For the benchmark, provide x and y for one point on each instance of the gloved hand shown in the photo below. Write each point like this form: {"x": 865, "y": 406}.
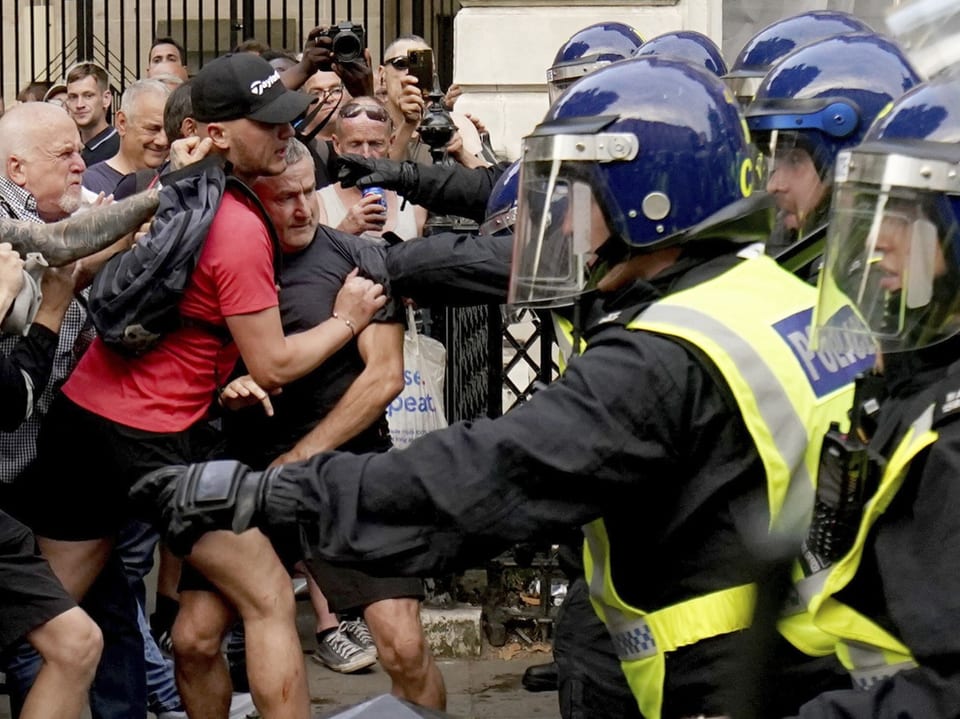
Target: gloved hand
{"x": 185, "y": 502}
{"x": 404, "y": 177}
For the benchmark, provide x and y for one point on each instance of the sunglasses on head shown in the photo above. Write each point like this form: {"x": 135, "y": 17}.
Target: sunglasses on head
{"x": 354, "y": 109}
{"x": 398, "y": 63}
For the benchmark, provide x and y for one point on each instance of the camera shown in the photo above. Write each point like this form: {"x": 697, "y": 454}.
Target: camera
{"x": 347, "y": 41}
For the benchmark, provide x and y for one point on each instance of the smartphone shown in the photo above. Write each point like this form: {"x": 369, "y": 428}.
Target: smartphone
{"x": 421, "y": 67}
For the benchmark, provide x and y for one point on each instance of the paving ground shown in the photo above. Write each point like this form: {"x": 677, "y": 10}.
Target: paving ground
{"x": 481, "y": 689}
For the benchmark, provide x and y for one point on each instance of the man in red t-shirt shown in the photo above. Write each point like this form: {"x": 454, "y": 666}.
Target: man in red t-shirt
{"x": 119, "y": 417}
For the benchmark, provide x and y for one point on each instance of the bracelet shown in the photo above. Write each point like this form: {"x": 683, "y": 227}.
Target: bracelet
{"x": 347, "y": 322}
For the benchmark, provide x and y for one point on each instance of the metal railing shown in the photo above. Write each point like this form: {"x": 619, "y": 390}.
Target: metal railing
{"x": 40, "y": 40}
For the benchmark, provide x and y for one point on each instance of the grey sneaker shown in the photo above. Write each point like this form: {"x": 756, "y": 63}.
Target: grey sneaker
{"x": 359, "y": 633}
{"x": 335, "y": 651}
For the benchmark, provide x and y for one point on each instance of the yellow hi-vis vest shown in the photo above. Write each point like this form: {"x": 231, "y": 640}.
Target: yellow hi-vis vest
{"x": 869, "y": 652}
{"x": 753, "y": 322}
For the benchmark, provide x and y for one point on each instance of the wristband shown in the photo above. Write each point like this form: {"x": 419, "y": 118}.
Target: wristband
{"x": 348, "y": 323}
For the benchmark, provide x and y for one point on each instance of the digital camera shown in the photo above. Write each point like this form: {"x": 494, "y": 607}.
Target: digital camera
{"x": 348, "y": 41}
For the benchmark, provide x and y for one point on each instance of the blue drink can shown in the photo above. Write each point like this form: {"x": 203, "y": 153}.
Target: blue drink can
{"x": 379, "y": 192}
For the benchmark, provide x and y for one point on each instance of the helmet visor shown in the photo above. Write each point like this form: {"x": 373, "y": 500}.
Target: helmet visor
{"x": 743, "y": 87}
{"x": 565, "y": 213}
{"x": 885, "y": 261}
{"x": 552, "y": 241}
{"x": 560, "y": 77}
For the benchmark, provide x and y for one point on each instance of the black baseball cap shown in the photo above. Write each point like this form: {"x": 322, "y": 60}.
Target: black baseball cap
{"x": 244, "y": 85}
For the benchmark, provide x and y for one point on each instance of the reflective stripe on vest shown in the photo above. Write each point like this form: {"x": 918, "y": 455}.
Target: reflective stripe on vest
{"x": 787, "y": 396}
{"x": 563, "y": 334}
{"x": 869, "y": 652}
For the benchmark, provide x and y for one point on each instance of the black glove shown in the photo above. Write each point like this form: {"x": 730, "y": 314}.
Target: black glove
{"x": 184, "y": 503}
{"x": 404, "y": 177}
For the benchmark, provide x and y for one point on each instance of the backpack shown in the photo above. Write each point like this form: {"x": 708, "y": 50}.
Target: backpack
{"x": 135, "y": 297}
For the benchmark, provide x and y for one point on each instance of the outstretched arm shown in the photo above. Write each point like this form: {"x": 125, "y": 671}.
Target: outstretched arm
{"x": 68, "y": 240}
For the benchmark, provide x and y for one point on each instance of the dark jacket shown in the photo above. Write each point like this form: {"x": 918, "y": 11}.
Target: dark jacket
{"x": 908, "y": 580}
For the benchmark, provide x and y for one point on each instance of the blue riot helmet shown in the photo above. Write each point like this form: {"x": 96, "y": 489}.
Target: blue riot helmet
{"x": 643, "y": 154}
{"x": 780, "y": 39}
{"x": 893, "y": 245}
{"x": 587, "y": 50}
{"x": 502, "y": 203}
{"x": 687, "y": 45}
{"x": 813, "y": 103}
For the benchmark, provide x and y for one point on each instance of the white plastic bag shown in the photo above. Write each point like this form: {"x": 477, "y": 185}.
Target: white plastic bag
{"x": 418, "y": 408}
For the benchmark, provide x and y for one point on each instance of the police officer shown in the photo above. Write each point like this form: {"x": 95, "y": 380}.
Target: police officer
{"x": 809, "y": 107}
{"x": 683, "y": 432}
{"x": 889, "y": 593}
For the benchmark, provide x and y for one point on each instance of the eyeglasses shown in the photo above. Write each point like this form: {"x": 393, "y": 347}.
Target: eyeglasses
{"x": 330, "y": 94}
{"x": 374, "y": 112}
{"x": 398, "y": 63}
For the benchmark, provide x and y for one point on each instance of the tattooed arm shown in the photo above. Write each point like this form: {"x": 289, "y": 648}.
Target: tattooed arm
{"x": 68, "y": 240}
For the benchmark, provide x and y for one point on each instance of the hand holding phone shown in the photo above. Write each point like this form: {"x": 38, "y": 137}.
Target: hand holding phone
{"x": 420, "y": 63}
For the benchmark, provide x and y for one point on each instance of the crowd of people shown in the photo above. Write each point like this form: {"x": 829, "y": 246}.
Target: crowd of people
{"x": 754, "y": 279}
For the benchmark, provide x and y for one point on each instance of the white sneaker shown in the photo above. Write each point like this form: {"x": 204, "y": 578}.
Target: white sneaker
{"x": 242, "y": 706}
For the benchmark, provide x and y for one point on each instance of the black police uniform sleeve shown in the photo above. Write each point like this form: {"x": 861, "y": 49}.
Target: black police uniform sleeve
{"x": 451, "y": 269}
{"x": 33, "y": 356}
{"x": 455, "y": 189}
{"x": 633, "y": 410}
{"x": 915, "y": 547}
{"x": 443, "y": 189}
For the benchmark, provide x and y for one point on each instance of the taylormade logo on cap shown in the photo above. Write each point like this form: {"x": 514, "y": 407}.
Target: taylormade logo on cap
{"x": 258, "y": 86}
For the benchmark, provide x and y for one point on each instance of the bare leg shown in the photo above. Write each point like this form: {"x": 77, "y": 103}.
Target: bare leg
{"x": 404, "y": 654}
{"x": 202, "y": 675}
{"x": 168, "y": 574}
{"x": 325, "y": 618}
{"x": 70, "y": 645}
{"x": 76, "y": 564}
{"x": 248, "y": 572}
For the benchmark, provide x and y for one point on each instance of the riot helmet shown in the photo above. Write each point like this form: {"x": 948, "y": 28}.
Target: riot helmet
{"x": 502, "y": 203}
{"x": 893, "y": 245}
{"x": 643, "y": 154}
{"x": 587, "y": 50}
{"x": 687, "y": 45}
{"x": 813, "y": 103}
{"x": 781, "y": 38}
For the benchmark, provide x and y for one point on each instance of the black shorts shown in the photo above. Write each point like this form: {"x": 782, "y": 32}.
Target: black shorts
{"x": 345, "y": 588}
{"x": 77, "y": 487}
{"x": 348, "y": 589}
{"x": 30, "y": 594}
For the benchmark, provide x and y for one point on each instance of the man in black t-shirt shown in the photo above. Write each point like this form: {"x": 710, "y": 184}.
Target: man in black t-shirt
{"x": 340, "y": 405}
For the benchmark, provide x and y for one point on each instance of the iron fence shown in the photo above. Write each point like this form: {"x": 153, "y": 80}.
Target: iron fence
{"x": 41, "y": 39}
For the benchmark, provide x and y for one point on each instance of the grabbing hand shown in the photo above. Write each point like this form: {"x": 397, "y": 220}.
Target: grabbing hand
{"x": 363, "y": 172}
{"x": 358, "y": 300}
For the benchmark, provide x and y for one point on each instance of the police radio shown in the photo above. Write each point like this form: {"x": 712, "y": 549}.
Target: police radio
{"x": 844, "y": 480}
